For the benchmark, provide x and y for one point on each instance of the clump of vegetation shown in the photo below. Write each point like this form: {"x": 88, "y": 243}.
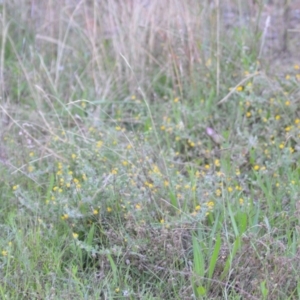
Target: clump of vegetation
{"x": 144, "y": 156}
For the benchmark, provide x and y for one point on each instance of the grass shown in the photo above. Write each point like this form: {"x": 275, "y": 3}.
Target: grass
{"x": 144, "y": 156}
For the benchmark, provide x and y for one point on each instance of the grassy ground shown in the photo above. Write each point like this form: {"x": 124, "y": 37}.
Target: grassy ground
{"x": 146, "y": 153}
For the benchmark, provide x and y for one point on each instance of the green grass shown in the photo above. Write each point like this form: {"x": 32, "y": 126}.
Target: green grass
{"x": 145, "y": 154}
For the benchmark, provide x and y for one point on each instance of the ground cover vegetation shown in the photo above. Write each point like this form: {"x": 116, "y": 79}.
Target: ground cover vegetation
{"x": 149, "y": 150}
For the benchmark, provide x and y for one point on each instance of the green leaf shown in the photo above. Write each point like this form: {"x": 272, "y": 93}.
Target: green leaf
{"x": 214, "y": 257}
{"x": 199, "y": 267}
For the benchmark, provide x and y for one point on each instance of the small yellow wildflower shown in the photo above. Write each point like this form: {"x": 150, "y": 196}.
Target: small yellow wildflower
{"x": 218, "y": 192}
{"x": 192, "y": 144}
{"x": 31, "y": 154}
{"x": 296, "y": 67}
{"x": 288, "y": 128}
{"x": 133, "y": 97}
{"x": 15, "y": 187}
{"x": 176, "y": 100}
{"x": 99, "y": 144}
{"x": 109, "y": 209}
{"x": 162, "y": 221}
{"x": 281, "y": 146}
{"x": 117, "y": 290}
{"x": 166, "y": 183}
{"x": 256, "y": 167}
{"x": 73, "y": 156}
{"x": 241, "y": 200}
{"x": 114, "y": 171}
{"x": 65, "y": 217}
{"x": 248, "y": 114}
{"x": 138, "y": 206}
{"x": 4, "y": 253}
{"x": 210, "y": 204}
{"x": 75, "y": 235}
{"x": 207, "y": 166}
{"x": 197, "y": 208}
{"x": 125, "y": 163}
{"x": 287, "y": 77}
{"x": 287, "y": 103}
{"x": 162, "y": 127}
{"x": 217, "y": 163}
{"x": 277, "y": 117}
{"x": 239, "y": 88}
{"x": 95, "y": 211}
{"x": 118, "y": 128}
{"x": 229, "y": 189}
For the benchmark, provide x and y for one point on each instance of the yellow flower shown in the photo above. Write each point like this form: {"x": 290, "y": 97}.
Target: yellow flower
{"x": 248, "y": 114}
{"x": 114, "y": 171}
{"x": 109, "y": 209}
{"x": 217, "y": 163}
{"x": 75, "y": 235}
{"x": 288, "y": 128}
{"x": 125, "y": 163}
{"x": 256, "y": 167}
{"x": 230, "y": 189}
{"x": 198, "y": 207}
{"x": 4, "y": 253}
{"x": 210, "y": 204}
{"x": 65, "y": 217}
{"x": 99, "y": 144}
{"x": 95, "y": 212}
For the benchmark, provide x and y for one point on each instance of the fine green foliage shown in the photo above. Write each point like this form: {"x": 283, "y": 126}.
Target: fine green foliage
{"x": 148, "y": 151}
